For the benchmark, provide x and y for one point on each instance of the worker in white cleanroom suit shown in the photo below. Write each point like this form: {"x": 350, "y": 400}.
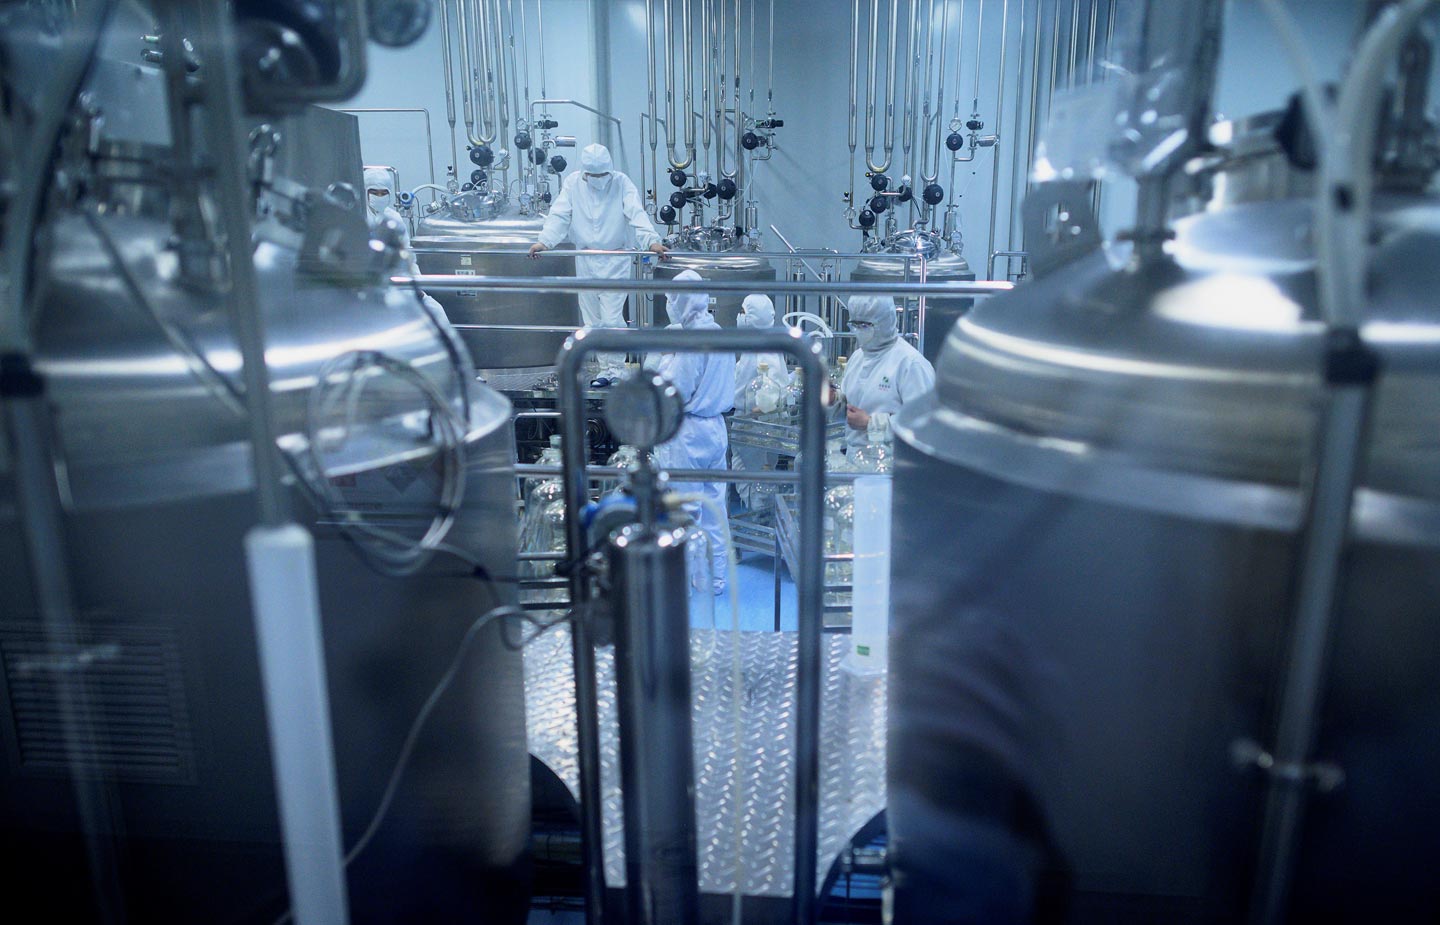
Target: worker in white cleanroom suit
{"x": 757, "y": 312}
{"x": 599, "y": 208}
{"x": 706, "y": 382}
{"x": 884, "y": 374}
{"x": 379, "y": 206}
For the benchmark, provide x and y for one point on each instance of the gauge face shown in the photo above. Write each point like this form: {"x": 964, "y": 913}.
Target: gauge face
{"x": 397, "y": 23}
{"x": 644, "y": 410}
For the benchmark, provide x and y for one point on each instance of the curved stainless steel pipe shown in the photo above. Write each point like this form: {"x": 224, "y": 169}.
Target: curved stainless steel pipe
{"x": 930, "y": 164}
{"x": 871, "y": 91}
{"x": 484, "y": 132}
{"x": 671, "y": 126}
{"x": 1000, "y": 118}
{"x": 515, "y": 101}
{"x": 707, "y": 76}
{"x": 497, "y": 73}
{"x": 449, "y": 79}
{"x": 650, "y": 74}
{"x": 467, "y": 70}
{"x": 907, "y": 102}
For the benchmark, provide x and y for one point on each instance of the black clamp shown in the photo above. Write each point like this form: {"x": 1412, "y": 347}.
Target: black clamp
{"x": 1349, "y": 361}
{"x": 18, "y": 378}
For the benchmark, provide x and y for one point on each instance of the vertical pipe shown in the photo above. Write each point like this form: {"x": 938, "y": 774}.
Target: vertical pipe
{"x": 1074, "y": 43}
{"x": 959, "y": 58}
{"x": 890, "y": 84}
{"x": 540, "y": 30}
{"x": 1017, "y": 150}
{"x": 514, "y": 91}
{"x": 449, "y": 80}
{"x": 587, "y": 719}
{"x": 1090, "y": 54}
{"x": 770, "y": 73}
{"x": 657, "y": 752}
{"x": 979, "y": 51}
{"x": 650, "y": 76}
{"x": 999, "y": 119}
{"x": 280, "y": 554}
{"x": 467, "y": 71}
{"x": 1033, "y": 109}
{"x": 907, "y": 115}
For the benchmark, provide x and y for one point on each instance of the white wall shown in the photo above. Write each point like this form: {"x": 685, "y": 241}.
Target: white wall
{"x": 412, "y": 77}
{"x": 800, "y": 190}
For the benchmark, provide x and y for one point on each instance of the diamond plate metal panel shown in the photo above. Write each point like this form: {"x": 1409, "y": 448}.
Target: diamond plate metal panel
{"x": 755, "y": 776}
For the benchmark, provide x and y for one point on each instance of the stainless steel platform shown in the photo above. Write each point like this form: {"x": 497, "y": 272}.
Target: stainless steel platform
{"x": 852, "y": 778}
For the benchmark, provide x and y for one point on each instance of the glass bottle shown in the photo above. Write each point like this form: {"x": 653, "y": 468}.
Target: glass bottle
{"x": 876, "y": 455}
{"x": 839, "y": 520}
{"x": 764, "y": 396}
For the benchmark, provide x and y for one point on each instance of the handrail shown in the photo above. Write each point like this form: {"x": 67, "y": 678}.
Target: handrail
{"x": 810, "y": 585}
{"x": 711, "y": 286}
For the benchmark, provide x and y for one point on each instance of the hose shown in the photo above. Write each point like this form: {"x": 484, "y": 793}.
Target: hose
{"x": 802, "y": 317}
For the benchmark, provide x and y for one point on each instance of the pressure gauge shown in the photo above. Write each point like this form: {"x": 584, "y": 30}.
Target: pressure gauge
{"x": 644, "y": 410}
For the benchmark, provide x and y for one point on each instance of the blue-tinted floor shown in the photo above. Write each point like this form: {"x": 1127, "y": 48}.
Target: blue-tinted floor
{"x": 757, "y": 597}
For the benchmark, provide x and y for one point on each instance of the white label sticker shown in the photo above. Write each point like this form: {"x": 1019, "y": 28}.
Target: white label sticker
{"x": 466, "y": 261}
{"x": 463, "y": 272}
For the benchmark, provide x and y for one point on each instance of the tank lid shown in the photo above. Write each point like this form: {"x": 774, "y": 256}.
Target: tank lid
{"x": 1208, "y": 363}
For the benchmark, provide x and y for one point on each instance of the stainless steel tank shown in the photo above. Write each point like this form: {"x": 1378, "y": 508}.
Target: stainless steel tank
{"x": 941, "y": 265}
{"x": 716, "y": 257}
{"x": 497, "y": 247}
{"x": 158, "y": 492}
{"x": 1095, "y": 536}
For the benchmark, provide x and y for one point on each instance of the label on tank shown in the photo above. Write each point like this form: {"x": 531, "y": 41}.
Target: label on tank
{"x": 460, "y": 271}
{"x": 466, "y": 261}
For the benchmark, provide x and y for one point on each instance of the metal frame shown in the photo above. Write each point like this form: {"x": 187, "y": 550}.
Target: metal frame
{"x": 811, "y": 612}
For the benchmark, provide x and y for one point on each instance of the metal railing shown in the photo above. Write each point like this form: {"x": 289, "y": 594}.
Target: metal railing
{"x": 809, "y": 583}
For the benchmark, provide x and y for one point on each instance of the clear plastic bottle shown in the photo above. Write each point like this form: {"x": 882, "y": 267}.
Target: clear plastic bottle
{"x": 625, "y": 457}
{"x": 765, "y": 396}
{"x": 550, "y": 456}
{"x": 839, "y": 519}
{"x": 876, "y": 455}
{"x": 794, "y": 393}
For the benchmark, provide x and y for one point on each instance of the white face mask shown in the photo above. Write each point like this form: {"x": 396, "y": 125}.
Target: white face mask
{"x": 598, "y": 184}
{"x": 865, "y": 337}
{"x": 379, "y": 202}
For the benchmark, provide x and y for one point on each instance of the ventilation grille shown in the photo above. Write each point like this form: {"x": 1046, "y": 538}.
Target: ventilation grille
{"x": 129, "y": 677}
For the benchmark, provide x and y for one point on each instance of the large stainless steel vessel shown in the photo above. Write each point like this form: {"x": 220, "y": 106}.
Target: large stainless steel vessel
{"x": 157, "y": 485}
{"x": 497, "y": 247}
{"x": 941, "y": 265}
{"x": 1096, "y": 531}
{"x": 714, "y": 257}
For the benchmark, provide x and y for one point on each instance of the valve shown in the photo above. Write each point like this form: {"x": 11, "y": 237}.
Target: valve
{"x": 667, "y": 215}
{"x": 557, "y": 164}
{"x": 934, "y": 194}
{"x": 522, "y": 140}
{"x": 879, "y": 182}
{"x": 904, "y": 194}
{"x": 749, "y": 141}
{"x": 726, "y": 189}
{"x": 678, "y": 178}
{"x": 771, "y": 123}
{"x": 711, "y": 191}
{"x": 468, "y": 187}
{"x": 482, "y": 156}
{"x": 879, "y": 204}
{"x": 537, "y": 155}
{"x": 954, "y": 141}
{"x": 477, "y": 177}
{"x": 546, "y": 124}
{"x": 678, "y": 199}
{"x": 867, "y": 218}
{"x": 974, "y": 124}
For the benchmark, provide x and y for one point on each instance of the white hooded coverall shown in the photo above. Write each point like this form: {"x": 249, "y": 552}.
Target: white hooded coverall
{"x": 757, "y": 312}
{"x": 706, "y": 382}
{"x": 380, "y": 206}
{"x": 600, "y": 213}
{"x": 886, "y": 372}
